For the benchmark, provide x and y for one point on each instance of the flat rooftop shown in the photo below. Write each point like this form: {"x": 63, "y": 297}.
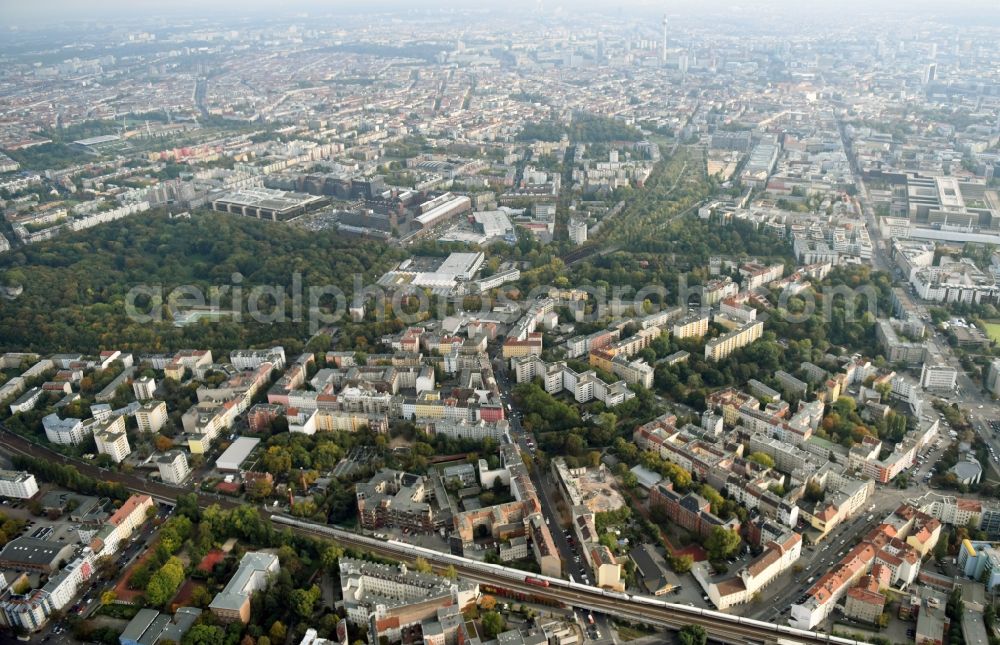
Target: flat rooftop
{"x": 273, "y": 200}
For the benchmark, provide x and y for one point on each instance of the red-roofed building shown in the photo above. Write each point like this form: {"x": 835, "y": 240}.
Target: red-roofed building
{"x": 864, "y": 602}
{"x": 122, "y": 523}
{"x": 532, "y": 345}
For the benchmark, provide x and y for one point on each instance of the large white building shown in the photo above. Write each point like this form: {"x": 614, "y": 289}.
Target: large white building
{"x": 236, "y": 453}
{"x": 993, "y": 377}
{"x": 954, "y": 282}
{"x": 441, "y": 277}
{"x": 32, "y": 610}
{"x": 722, "y": 346}
{"x": 122, "y": 524}
{"x": 251, "y": 359}
{"x": 18, "y": 484}
{"x": 465, "y": 429}
{"x": 26, "y": 401}
{"x": 388, "y": 598}
{"x": 151, "y": 416}
{"x": 577, "y": 231}
{"x": 68, "y": 431}
{"x": 111, "y": 439}
{"x": 173, "y": 467}
{"x": 584, "y": 386}
{"x": 143, "y": 388}
{"x": 938, "y": 377}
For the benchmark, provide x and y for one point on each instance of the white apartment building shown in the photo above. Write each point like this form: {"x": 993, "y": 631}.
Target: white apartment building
{"x": 173, "y": 467}
{"x": 125, "y": 521}
{"x": 557, "y": 377}
{"x": 64, "y": 585}
{"x": 938, "y": 377}
{"x": 143, "y": 388}
{"x": 111, "y": 439}
{"x": 26, "y": 401}
{"x": 993, "y": 377}
{"x": 18, "y": 484}
{"x": 151, "y": 416}
{"x": 721, "y": 347}
{"x": 577, "y": 231}
{"x": 251, "y": 359}
{"x": 714, "y": 291}
{"x": 379, "y": 593}
{"x": 954, "y": 282}
{"x": 693, "y": 325}
{"x": 31, "y": 611}
{"x": 777, "y": 557}
{"x": 478, "y": 430}
{"x": 65, "y": 431}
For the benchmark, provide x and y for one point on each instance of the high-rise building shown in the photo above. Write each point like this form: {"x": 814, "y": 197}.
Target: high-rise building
{"x": 143, "y": 388}
{"x": 663, "y": 52}
{"x": 577, "y": 231}
{"x": 151, "y": 416}
{"x": 173, "y": 467}
{"x": 993, "y": 377}
{"x": 18, "y": 484}
{"x": 930, "y": 74}
{"x": 111, "y": 439}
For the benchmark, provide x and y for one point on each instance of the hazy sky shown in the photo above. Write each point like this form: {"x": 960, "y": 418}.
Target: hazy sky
{"x": 14, "y": 12}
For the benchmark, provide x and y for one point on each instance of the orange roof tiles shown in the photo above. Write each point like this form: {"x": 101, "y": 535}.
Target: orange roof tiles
{"x": 128, "y": 508}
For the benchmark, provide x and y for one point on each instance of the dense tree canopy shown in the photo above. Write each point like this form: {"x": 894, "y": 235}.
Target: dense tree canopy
{"x": 75, "y": 286}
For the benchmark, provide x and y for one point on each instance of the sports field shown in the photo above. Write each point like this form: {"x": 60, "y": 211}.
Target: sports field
{"x": 992, "y": 329}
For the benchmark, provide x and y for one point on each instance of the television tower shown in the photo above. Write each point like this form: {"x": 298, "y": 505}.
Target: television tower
{"x": 663, "y": 51}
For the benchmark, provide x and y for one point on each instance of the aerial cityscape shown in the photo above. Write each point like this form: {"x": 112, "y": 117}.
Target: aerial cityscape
{"x": 512, "y": 324}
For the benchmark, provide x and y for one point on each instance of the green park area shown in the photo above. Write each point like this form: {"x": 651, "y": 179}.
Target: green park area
{"x": 992, "y": 328}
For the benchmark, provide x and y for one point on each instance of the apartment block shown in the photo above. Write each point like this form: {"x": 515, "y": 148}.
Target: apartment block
{"x": 173, "y": 467}
{"x": 694, "y": 325}
{"x": 714, "y": 291}
{"x": 939, "y": 376}
{"x": 19, "y": 484}
{"x": 898, "y": 350}
{"x": 866, "y": 602}
{"x": 151, "y": 416}
{"x": 251, "y": 359}
{"x": 690, "y": 511}
{"x": 122, "y": 523}
{"x": 404, "y": 500}
{"x": 68, "y": 431}
{"x": 27, "y": 401}
{"x": 389, "y": 599}
{"x": 881, "y": 546}
{"x": 144, "y": 388}
{"x": 778, "y": 556}
{"x": 111, "y": 439}
{"x": 721, "y": 347}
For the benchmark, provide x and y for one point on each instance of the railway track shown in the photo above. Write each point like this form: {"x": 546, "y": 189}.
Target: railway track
{"x": 719, "y": 626}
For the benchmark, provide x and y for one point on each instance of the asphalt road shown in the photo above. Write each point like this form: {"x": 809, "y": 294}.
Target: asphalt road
{"x": 544, "y": 486}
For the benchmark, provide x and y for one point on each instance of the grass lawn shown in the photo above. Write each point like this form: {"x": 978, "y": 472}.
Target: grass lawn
{"x": 126, "y": 612}
{"x": 992, "y": 329}
{"x": 631, "y": 632}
